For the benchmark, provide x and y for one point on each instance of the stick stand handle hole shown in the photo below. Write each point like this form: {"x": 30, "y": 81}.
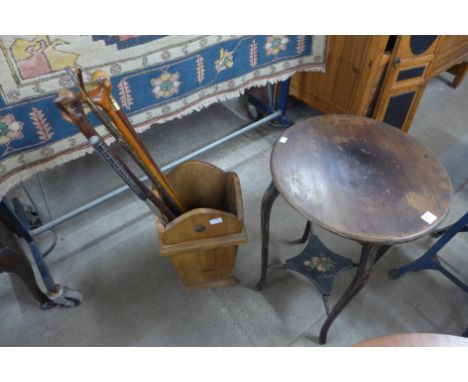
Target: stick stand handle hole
{"x": 199, "y": 228}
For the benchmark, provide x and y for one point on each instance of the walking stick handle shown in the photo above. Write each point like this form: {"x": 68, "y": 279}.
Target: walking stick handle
{"x": 102, "y": 96}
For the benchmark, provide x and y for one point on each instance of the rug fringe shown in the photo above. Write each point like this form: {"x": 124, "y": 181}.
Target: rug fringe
{"x": 220, "y": 98}
{"x": 25, "y": 174}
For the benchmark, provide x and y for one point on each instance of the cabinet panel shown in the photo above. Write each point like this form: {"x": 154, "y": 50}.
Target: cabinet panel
{"x": 354, "y": 66}
{"x": 397, "y": 109}
{"x": 353, "y": 58}
{"x": 406, "y": 79}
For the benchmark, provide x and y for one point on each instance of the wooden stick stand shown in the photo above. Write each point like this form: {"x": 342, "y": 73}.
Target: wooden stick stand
{"x": 202, "y": 243}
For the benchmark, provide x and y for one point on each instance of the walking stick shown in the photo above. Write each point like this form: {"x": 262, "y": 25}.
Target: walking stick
{"x": 101, "y": 95}
{"x": 77, "y": 78}
{"x": 70, "y": 104}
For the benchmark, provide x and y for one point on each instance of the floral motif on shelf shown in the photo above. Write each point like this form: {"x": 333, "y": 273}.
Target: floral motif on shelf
{"x": 320, "y": 264}
{"x": 166, "y": 85}
{"x": 276, "y": 44}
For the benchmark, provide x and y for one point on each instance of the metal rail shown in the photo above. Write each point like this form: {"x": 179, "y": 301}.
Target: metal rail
{"x": 112, "y": 194}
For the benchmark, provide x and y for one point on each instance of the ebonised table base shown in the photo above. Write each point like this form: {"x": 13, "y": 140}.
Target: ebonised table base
{"x": 331, "y": 264}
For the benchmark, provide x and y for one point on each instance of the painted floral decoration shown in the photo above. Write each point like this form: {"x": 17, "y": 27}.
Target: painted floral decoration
{"x": 166, "y": 84}
{"x": 275, "y": 44}
{"x": 10, "y": 129}
{"x": 320, "y": 264}
{"x": 225, "y": 60}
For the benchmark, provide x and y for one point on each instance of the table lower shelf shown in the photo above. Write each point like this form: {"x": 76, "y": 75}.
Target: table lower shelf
{"x": 320, "y": 265}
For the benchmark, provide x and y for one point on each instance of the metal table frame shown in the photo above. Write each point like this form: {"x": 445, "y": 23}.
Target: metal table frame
{"x": 430, "y": 260}
{"x": 371, "y": 253}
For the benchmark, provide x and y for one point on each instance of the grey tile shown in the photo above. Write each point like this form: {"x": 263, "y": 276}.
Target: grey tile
{"x": 376, "y": 311}
{"x": 278, "y": 315}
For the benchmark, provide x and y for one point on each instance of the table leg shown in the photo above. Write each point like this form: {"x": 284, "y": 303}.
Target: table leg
{"x": 430, "y": 260}
{"x": 368, "y": 255}
{"x": 267, "y": 203}
{"x": 282, "y": 103}
{"x": 381, "y": 251}
{"x": 306, "y": 234}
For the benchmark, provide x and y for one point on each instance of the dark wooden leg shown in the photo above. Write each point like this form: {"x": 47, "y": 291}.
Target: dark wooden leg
{"x": 306, "y": 233}
{"x": 381, "y": 251}
{"x": 267, "y": 203}
{"x": 368, "y": 255}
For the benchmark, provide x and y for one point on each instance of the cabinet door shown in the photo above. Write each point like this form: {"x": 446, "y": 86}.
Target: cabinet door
{"x": 406, "y": 78}
{"x": 353, "y": 68}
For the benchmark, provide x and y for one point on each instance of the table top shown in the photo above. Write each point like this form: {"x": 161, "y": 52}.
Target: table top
{"x": 415, "y": 339}
{"x": 361, "y": 179}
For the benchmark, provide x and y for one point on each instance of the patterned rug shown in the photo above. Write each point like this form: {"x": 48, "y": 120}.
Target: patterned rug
{"x": 155, "y": 78}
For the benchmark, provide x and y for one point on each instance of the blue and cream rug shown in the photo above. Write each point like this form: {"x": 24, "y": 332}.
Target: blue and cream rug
{"x": 155, "y": 78}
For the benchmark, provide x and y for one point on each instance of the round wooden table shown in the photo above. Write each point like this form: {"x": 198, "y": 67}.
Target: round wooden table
{"x": 358, "y": 178}
{"x": 415, "y": 339}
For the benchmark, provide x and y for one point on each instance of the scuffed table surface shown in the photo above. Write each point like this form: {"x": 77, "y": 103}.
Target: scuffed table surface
{"x": 362, "y": 179}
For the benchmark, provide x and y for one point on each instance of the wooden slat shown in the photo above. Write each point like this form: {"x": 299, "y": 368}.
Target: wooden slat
{"x": 215, "y": 242}
{"x": 202, "y": 243}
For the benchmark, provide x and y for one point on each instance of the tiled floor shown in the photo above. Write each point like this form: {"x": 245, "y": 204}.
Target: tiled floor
{"x": 133, "y": 297}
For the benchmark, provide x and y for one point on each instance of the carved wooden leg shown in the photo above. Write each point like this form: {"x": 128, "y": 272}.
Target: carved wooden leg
{"x": 267, "y": 203}
{"x": 368, "y": 255}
